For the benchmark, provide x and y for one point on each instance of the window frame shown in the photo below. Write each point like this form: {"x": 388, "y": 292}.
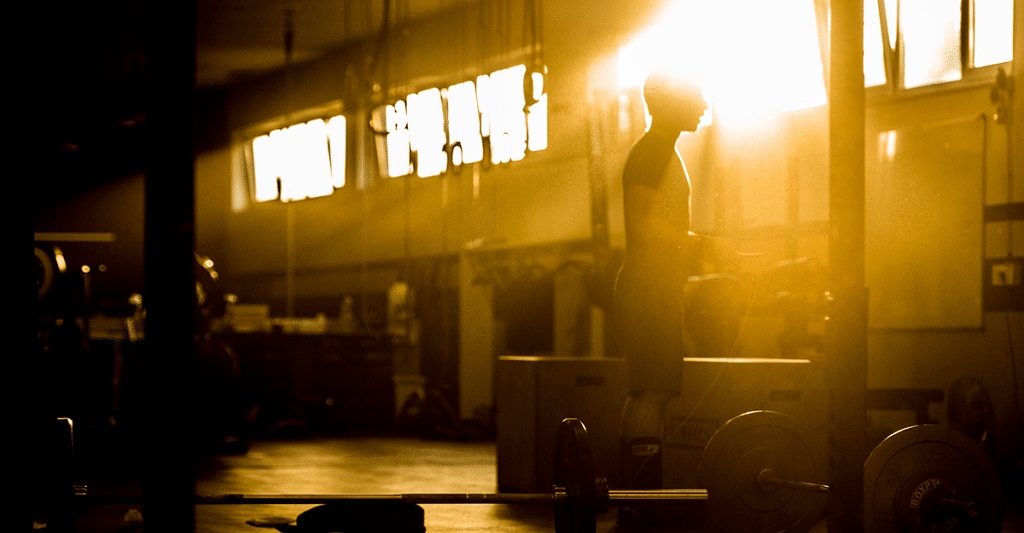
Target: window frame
{"x": 971, "y": 76}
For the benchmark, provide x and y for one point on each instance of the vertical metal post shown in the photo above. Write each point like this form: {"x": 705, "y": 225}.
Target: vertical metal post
{"x": 1015, "y": 137}
{"x": 846, "y": 360}
{"x": 289, "y": 208}
{"x": 168, "y": 367}
{"x": 595, "y": 163}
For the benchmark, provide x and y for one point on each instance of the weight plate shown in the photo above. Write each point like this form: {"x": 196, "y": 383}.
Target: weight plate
{"x": 44, "y": 273}
{"x": 734, "y": 457}
{"x": 912, "y": 468}
{"x": 574, "y": 471}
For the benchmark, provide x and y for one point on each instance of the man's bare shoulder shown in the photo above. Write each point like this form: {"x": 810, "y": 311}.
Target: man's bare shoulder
{"x": 647, "y": 161}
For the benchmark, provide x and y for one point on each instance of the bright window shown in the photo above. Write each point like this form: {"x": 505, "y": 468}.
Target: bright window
{"x": 426, "y": 132}
{"x": 396, "y": 122}
{"x": 307, "y": 172}
{"x": 336, "y": 142}
{"x": 874, "y": 48}
{"x": 464, "y": 124}
{"x": 294, "y": 163}
{"x": 265, "y": 163}
{"x": 505, "y": 102}
{"x": 993, "y": 32}
{"x": 537, "y": 120}
{"x": 930, "y": 32}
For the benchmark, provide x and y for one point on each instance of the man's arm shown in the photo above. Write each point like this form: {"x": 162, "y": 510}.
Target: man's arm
{"x": 713, "y": 255}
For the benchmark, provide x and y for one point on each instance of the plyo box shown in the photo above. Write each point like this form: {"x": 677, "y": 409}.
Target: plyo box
{"x": 535, "y": 393}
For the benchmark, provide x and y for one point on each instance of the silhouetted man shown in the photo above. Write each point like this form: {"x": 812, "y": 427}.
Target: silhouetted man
{"x": 661, "y": 253}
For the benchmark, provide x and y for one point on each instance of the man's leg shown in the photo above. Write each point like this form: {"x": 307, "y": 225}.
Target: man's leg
{"x": 642, "y": 430}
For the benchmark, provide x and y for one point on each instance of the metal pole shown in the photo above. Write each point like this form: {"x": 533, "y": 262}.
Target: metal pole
{"x": 767, "y": 481}
{"x": 667, "y": 497}
{"x": 846, "y": 360}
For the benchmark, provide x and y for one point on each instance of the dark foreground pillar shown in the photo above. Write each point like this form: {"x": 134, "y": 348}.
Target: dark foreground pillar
{"x": 168, "y": 475}
{"x": 846, "y": 352}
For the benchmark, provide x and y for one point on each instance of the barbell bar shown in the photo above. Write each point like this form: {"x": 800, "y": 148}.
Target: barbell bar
{"x": 944, "y": 505}
{"x": 767, "y": 480}
{"x": 950, "y": 506}
{"x": 615, "y": 498}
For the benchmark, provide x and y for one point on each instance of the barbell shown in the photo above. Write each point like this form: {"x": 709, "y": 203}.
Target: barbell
{"x": 761, "y": 476}
{"x": 758, "y": 474}
{"x": 577, "y": 496}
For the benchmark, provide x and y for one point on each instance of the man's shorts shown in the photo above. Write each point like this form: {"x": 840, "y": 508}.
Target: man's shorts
{"x": 649, "y": 326}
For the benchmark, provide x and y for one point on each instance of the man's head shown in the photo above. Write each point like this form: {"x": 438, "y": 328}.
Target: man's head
{"x": 674, "y": 99}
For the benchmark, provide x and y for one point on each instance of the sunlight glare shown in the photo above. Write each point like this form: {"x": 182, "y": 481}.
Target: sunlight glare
{"x": 755, "y": 58}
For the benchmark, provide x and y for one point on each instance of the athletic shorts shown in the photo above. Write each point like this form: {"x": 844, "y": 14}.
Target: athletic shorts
{"x": 649, "y": 330}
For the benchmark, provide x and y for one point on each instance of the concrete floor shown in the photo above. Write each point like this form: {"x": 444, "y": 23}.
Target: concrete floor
{"x": 358, "y": 466}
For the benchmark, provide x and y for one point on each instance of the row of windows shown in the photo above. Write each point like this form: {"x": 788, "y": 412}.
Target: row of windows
{"x": 491, "y": 116}
{"x": 426, "y": 133}
{"x": 737, "y": 46}
{"x": 934, "y": 41}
